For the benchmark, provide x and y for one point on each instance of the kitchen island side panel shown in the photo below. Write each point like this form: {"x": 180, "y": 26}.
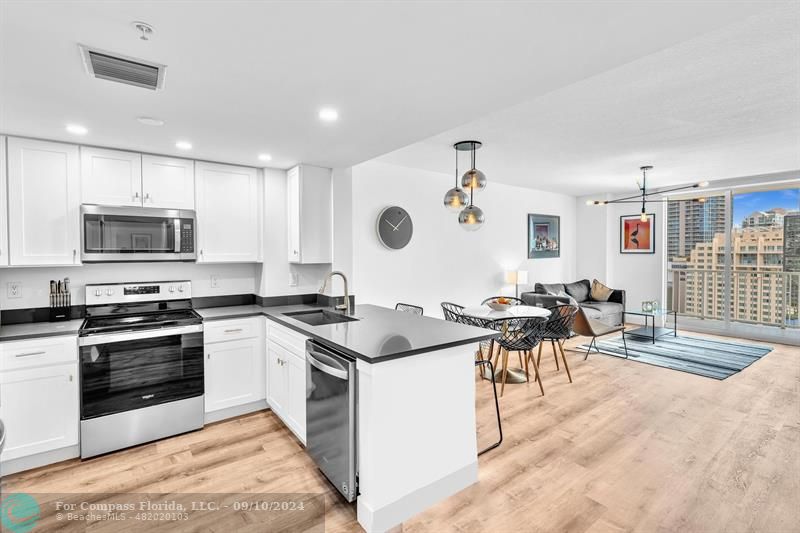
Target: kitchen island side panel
{"x": 416, "y": 434}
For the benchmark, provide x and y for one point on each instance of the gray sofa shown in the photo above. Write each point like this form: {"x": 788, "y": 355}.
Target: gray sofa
{"x": 550, "y": 294}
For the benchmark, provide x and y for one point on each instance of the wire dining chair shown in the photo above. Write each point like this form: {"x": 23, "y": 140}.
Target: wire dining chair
{"x": 557, "y": 330}
{"x": 519, "y": 335}
{"x": 408, "y": 308}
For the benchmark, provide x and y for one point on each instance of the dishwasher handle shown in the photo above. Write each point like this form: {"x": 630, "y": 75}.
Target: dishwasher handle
{"x": 329, "y": 369}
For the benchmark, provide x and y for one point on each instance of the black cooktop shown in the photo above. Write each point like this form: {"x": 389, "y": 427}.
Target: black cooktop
{"x": 117, "y": 318}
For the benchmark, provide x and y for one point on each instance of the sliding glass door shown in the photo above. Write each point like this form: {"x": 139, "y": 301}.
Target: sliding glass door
{"x": 735, "y": 256}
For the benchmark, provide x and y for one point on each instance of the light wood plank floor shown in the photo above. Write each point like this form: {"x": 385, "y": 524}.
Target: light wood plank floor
{"x": 626, "y": 447}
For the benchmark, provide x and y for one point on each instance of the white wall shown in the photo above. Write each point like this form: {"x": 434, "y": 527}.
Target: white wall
{"x": 443, "y": 262}
{"x": 232, "y": 279}
{"x": 598, "y": 255}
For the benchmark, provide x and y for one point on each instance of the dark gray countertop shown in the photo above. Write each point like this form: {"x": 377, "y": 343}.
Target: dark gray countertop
{"x": 379, "y": 334}
{"x": 33, "y": 330}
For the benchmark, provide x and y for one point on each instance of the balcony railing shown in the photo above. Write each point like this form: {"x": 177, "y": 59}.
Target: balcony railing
{"x": 767, "y": 297}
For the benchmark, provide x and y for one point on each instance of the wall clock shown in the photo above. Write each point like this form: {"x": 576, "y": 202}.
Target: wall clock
{"x": 395, "y": 227}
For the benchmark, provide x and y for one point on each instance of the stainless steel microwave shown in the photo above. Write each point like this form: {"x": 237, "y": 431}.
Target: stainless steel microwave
{"x": 113, "y": 234}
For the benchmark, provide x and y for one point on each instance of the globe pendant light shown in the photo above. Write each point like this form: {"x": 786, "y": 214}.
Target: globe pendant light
{"x": 456, "y": 199}
{"x": 473, "y": 178}
{"x": 472, "y": 217}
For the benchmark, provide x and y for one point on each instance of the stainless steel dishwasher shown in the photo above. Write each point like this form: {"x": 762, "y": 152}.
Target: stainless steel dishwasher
{"x": 331, "y": 416}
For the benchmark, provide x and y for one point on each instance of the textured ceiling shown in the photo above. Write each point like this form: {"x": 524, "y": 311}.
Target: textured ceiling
{"x": 724, "y": 104}
{"x": 246, "y": 77}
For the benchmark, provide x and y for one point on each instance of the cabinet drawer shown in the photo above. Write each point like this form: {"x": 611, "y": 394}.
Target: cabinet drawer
{"x": 289, "y": 339}
{"x": 15, "y": 355}
{"x": 229, "y": 330}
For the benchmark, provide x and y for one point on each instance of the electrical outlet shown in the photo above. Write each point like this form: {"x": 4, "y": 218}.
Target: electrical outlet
{"x": 14, "y": 289}
{"x": 293, "y": 281}
{"x": 214, "y": 281}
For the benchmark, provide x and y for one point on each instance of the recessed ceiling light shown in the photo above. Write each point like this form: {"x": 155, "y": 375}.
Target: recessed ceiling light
{"x": 328, "y": 114}
{"x": 183, "y": 145}
{"x": 150, "y": 121}
{"x": 77, "y": 129}
{"x": 264, "y": 157}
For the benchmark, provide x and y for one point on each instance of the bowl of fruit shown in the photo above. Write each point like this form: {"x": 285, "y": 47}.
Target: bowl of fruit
{"x": 500, "y": 304}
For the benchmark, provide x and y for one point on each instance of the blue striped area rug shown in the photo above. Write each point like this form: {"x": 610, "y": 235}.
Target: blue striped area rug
{"x": 696, "y": 355}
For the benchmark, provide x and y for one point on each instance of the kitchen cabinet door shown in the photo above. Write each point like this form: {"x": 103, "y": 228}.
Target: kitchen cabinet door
{"x": 277, "y": 381}
{"x": 167, "y": 182}
{"x": 111, "y": 177}
{"x": 309, "y": 211}
{"x": 227, "y": 214}
{"x": 296, "y": 396}
{"x": 39, "y": 407}
{"x": 3, "y": 205}
{"x": 234, "y": 373}
{"x": 43, "y": 202}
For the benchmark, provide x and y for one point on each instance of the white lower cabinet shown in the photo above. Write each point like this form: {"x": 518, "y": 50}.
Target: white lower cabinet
{"x": 234, "y": 364}
{"x": 286, "y": 375}
{"x": 39, "y": 397}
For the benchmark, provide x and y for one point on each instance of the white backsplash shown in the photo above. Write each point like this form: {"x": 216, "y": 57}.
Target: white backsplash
{"x": 35, "y": 281}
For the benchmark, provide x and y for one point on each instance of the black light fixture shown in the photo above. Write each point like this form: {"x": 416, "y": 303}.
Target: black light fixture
{"x": 456, "y": 199}
{"x": 644, "y": 197}
{"x": 471, "y": 218}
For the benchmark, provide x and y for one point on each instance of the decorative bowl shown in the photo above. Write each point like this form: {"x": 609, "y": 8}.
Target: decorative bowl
{"x": 497, "y": 306}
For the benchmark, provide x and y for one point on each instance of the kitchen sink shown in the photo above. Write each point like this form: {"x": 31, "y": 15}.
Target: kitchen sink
{"x": 320, "y": 317}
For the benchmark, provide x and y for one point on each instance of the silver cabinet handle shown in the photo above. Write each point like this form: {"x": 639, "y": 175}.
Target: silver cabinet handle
{"x": 235, "y": 330}
{"x": 136, "y": 196}
{"x": 147, "y": 197}
{"x": 74, "y": 255}
{"x": 29, "y": 354}
{"x": 70, "y": 377}
{"x": 209, "y": 356}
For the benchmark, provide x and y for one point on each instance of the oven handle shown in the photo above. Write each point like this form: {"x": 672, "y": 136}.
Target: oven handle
{"x": 331, "y": 371}
{"x": 108, "y": 338}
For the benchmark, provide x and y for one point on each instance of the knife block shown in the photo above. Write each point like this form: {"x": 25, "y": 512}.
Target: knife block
{"x": 62, "y": 311}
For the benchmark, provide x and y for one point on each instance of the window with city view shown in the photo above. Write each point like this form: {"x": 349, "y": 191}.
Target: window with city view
{"x": 757, "y": 280}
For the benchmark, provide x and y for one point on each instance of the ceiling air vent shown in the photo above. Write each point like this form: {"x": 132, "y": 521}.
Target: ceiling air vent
{"x": 122, "y": 69}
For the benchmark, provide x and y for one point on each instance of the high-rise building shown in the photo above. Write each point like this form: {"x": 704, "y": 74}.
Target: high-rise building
{"x": 690, "y": 222}
{"x": 764, "y": 219}
{"x": 791, "y": 243}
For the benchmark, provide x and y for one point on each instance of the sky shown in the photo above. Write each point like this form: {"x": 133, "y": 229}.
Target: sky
{"x": 745, "y": 204}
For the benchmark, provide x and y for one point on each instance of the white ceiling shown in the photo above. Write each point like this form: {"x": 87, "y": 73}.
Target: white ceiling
{"x": 721, "y": 105}
{"x": 248, "y": 77}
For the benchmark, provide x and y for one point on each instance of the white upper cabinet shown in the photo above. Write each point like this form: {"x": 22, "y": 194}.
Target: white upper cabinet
{"x": 227, "y": 199}
{"x": 309, "y": 199}
{"x": 3, "y": 205}
{"x": 111, "y": 177}
{"x": 167, "y": 182}
{"x": 43, "y": 202}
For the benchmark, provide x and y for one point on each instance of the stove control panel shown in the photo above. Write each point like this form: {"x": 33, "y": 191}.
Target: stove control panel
{"x": 111, "y": 293}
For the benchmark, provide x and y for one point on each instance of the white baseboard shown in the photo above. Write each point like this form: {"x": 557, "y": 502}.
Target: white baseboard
{"x": 389, "y": 516}
{"x": 238, "y": 410}
{"x": 40, "y": 459}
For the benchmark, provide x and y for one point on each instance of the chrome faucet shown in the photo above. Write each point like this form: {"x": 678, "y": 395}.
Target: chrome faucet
{"x": 346, "y": 305}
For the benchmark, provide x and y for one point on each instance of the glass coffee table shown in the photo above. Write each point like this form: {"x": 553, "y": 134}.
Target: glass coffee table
{"x": 649, "y": 331}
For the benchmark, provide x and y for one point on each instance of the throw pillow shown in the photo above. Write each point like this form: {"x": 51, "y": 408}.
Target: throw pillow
{"x": 578, "y": 290}
{"x": 600, "y": 293}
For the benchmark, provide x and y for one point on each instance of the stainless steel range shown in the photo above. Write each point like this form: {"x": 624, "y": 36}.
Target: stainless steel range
{"x": 141, "y": 364}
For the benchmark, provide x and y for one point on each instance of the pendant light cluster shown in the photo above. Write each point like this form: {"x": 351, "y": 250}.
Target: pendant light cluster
{"x": 470, "y": 216}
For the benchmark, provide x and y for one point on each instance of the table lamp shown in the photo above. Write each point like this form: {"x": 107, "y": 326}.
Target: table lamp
{"x": 517, "y": 277}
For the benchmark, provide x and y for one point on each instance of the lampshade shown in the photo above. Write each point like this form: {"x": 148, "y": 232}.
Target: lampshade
{"x": 456, "y": 199}
{"x": 516, "y": 277}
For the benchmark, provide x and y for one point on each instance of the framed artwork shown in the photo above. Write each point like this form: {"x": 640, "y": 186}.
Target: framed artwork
{"x": 140, "y": 241}
{"x": 635, "y": 236}
{"x": 544, "y": 236}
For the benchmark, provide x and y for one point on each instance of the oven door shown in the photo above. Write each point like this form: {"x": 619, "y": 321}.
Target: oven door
{"x": 112, "y": 234}
{"x": 125, "y": 371}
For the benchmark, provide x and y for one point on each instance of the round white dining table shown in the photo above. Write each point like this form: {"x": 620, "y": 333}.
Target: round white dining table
{"x": 515, "y": 311}
{"x": 513, "y": 375}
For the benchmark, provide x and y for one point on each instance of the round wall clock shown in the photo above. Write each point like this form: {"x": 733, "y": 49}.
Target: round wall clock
{"x": 395, "y": 227}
